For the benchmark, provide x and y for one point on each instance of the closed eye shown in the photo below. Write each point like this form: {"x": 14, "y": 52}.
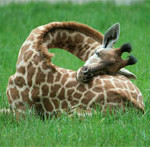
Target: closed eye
{"x": 97, "y": 53}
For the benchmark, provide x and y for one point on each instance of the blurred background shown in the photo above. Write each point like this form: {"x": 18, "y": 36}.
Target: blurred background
{"x": 117, "y": 2}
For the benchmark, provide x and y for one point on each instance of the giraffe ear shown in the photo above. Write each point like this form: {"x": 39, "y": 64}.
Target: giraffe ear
{"x": 127, "y": 73}
{"x": 111, "y": 36}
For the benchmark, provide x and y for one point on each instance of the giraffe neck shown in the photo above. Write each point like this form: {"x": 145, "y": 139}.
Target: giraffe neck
{"x": 76, "y": 38}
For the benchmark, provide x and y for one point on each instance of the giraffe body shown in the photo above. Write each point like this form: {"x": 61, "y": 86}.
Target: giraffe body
{"x": 50, "y": 89}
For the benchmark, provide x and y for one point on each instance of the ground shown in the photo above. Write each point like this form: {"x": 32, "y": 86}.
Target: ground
{"x": 130, "y": 129}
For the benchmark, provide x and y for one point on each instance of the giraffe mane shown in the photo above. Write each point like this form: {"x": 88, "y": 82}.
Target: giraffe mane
{"x": 79, "y": 27}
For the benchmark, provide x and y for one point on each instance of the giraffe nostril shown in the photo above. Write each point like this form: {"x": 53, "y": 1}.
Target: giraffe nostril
{"x": 85, "y": 69}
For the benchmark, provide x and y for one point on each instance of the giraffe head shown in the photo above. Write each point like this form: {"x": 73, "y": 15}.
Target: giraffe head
{"x": 110, "y": 38}
{"x": 110, "y": 61}
{"x": 106, "y": 60}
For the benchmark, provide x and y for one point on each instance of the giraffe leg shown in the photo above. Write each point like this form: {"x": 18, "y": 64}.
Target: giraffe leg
{"x": 9, "y": 111}
{"x": 20, "y": 112}
{"x": 81, "y": 113}
{"x": 5, "y": 111}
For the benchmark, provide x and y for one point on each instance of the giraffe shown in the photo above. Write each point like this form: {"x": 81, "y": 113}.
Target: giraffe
{"x": 50, "y": 90}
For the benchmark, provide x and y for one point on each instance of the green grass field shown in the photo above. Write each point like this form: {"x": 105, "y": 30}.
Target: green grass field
{"x": 130, "y": 129}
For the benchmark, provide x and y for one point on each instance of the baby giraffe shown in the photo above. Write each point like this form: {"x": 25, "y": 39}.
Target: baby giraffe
{"x": 50, "y": 90}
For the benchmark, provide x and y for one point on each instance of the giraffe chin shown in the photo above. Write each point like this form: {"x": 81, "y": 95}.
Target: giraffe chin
{"x": 86, "y": 73}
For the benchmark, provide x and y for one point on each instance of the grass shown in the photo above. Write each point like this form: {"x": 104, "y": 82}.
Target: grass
{"x": 130, "y": 129}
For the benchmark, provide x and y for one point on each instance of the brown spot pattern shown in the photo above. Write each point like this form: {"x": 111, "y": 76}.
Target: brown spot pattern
{"x": 90, "y": 41}
{"x": 36, "y": 31}
{"x": 64, "y": 105}
{"x": 130, "y": 86}
{"x": 56, "y": 103}
{"x": 100, "y": 99}
{"x": 98, "y": 82}
{"x": 19, "y": 81}
{"x": 114, "y": 98}
{"x": 85, "y": 101}
{"x": 124, "y": 85}
{"x": 64, "y": 79}
{"x": 20, "y": 105}
{"x": 69, "y": 92}
{"x": 45, "y": 90}
{"x": 58, "y": 76}
{"x": 117, "y": 83}
{"x": 71, "y": 84}
{"x": 90, "y": 84}
{"x": 8, "y": 96}
{"x": 74, "y": 102}
{"x": 46, "y": 38}
{"x": 28, "y": 55}
{"x": 25, "y": 95}
{"x": 50, "y": 77}
{"x": 45, "y": 65}
{"x": 64, "y": 36}
{"x": 87, "y": 97}
{"x": 126, "y": 93}
{"x": 35, "y": 92}
{"x": 108, "y": 84}
{"x": 54, "y": 90}
{"x": 21, "y": 70}
{"x": 73, "y": 75}
{"x": 141, "y": 98}
{"x": 40, "y": 77}
{"x": 78, "y": 38}
{"x": 58, "y": 37}
{"x": 23, "y": 49}
{"x": 87, "y": 55}
{"x": 30, "y": 37}
{"x": 69, "y": 42}
{"x": 39, "y": 109}
{"x": 81, "y": 88}
{"x": 97, "y": 89}
{"x": 77, "y": 95}
{"x": 62, "y": 94}
{"x": 47, "y": 104}
{"x": 134, "y": 95}
{"x": 14, "y": 93}
{"x": 37, "y": 58}
{"x": 10, "y": 81}
{"x": 31, "y": 71}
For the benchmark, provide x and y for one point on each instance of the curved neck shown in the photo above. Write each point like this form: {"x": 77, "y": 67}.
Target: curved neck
{"x": 76, "y": 38}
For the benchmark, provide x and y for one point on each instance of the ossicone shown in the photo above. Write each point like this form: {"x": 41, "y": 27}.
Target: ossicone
{"x": 132, "y": 60}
